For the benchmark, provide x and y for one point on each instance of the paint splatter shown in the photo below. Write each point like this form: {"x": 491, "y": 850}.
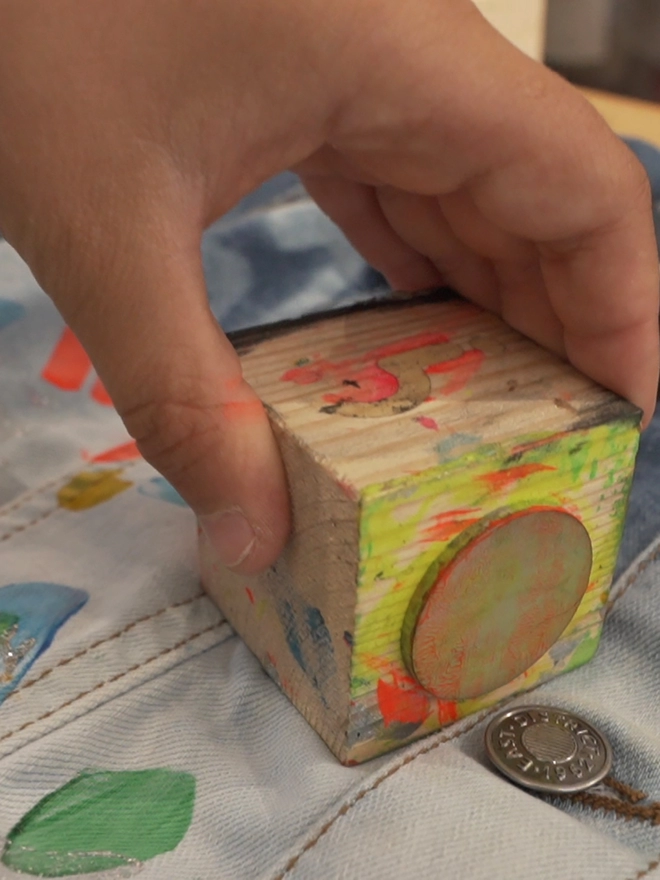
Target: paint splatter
{"x": 401, "y": 700}
{"x": 499, "y": 480}
{"x": 89, "y": 488}
{"x": 30, "y": 616}
{"x": 123, "y": 452}
{"x": 10, "y": 311}
{"x": 427, "y": 422}
{"x": 450, "y": 523}
{"x": 158, "y": 487}
{"x": 309, "y": 641}
{"x": 69, "y": 365}
{"x": 391, "y": 379}
{"x": 102, "y": 820}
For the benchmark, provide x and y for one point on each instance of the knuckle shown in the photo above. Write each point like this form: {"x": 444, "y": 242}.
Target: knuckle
{"x": 174, "y": 435}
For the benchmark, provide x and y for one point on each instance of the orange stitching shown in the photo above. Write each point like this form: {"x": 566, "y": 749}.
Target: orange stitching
{"x": 112, "y": 679}
{"x": 127, "y": 628}
{"x": 28, "y": 496}
{"x": 27, "y": 525}
{"x": 291, "y": 864}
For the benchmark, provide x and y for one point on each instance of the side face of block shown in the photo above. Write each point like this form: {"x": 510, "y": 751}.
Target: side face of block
{"x": 458, "y": 498}
{"x": 297, "y": 618}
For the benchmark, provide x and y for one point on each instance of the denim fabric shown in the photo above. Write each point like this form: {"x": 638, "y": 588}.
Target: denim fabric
{"x": 122, "y": 664}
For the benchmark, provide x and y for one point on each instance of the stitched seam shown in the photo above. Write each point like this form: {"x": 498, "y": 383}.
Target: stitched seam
{"x": 104, "y": 641}
{"x": 345, "y": 808}
{"x": 634, "y": 576}
{"x": 114, "y": 678}
{"x": 24, "y": 499}
{"x": 646, "y": 871}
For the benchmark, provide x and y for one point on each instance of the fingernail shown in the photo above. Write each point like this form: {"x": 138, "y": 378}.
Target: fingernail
{"x": 230, "y": 534}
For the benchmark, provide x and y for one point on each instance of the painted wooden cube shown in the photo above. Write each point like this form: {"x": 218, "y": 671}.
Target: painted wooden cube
{"x": 458, "y": 498}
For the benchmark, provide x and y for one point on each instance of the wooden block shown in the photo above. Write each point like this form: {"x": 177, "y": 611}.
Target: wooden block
{"x": 458, "y": 497}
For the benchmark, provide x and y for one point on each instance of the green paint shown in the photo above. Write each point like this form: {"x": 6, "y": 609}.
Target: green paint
{"x": 102, "y": 820}
{"x": 7, "y": 622}
{"x": 584, "y": 652}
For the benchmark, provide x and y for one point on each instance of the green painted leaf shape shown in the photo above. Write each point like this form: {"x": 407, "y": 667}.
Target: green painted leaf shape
{"x": 102, "y": 820}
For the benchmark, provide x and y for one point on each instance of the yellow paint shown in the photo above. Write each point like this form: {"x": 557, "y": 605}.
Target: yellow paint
{"x": 587, "y": 473}
{"x": 89, "y": 488}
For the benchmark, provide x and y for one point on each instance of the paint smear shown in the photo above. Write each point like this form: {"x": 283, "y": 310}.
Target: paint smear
{"x": 401, "y": 700}
{"x": 90, "y": 488}
{"x": 427, "y": 422}
{"x": 99, "y": 394}
{"x": 31, "y": 613}
{"x": 102, "y": 820}
{"x": 68, "y": 366}
{"x": 123, "y": 452}
{"x": 450, "y": 523}
{"x": 10, "y": 311}
{"x": 159, "y": 488}
{"x": 499, "y": 480}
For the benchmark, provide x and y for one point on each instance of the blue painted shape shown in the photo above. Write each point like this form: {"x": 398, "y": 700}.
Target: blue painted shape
{"x": 10, "y": 311}
{"x": 40, "y": 609}
{"x": 159, "y": 488}
{"x": 291, "y": 632}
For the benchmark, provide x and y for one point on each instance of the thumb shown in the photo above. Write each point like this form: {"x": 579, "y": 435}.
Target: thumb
{"x": 140, "y": 309}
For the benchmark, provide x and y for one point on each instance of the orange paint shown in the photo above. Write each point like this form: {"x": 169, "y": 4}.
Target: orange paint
{"x": 499, "y": 480}
{"x": 250, "y": 595}
{"x": 124, "y": 452}
{"x": 450, "y": 523}
{"x": 537, "y": 444}
{"x": 400, "y": 699}
{"x": 68, "y": 366}
{"x": 100, "y": 395}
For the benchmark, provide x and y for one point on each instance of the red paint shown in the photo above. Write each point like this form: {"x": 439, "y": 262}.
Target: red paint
{"x": 499, "y": 480}
{"x": 363, "y": 380}
{"x": 427, "y": 422}
{"x": 100, "y": 395}
{"x": 351, "y": 368}
{"x": 250, "y": 595}
{"x": 462, "y": 368}
{"x": 400, "y": 699}
{"x": 447, "y": 525}
{"x": 537, "y": 444}
{"x": 447, "y": 712}
{"x": 124, "y": 452}
{"x": 374, "y": 384}
{"x": 68, "y": 366}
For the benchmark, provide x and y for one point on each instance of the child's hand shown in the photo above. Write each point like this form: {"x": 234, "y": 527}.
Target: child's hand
{"x": 128, "y": 126}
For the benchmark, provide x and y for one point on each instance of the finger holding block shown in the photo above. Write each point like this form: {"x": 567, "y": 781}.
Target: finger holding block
{"x": 458, "y": 496}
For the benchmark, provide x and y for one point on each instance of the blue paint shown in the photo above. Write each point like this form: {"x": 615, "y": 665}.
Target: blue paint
{"x": 453, "y": 442}
{"x": 39, "y": 610}
{"x": 10, "y": 311}
{"x": 159, "y": 488}
{"x": 291, "y": 632}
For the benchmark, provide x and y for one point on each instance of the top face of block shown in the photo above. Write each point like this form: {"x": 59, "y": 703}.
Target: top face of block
{"x": 401, "y": 387}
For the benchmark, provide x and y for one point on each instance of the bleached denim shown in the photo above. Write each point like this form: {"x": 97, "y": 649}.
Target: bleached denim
{"x": 148, "y": 674}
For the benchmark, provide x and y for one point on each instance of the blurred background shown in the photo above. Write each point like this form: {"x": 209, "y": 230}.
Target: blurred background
{"x": 606, "y": 44}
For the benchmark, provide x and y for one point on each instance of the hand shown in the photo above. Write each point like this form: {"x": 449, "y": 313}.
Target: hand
{"x": 444, "y": 153}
